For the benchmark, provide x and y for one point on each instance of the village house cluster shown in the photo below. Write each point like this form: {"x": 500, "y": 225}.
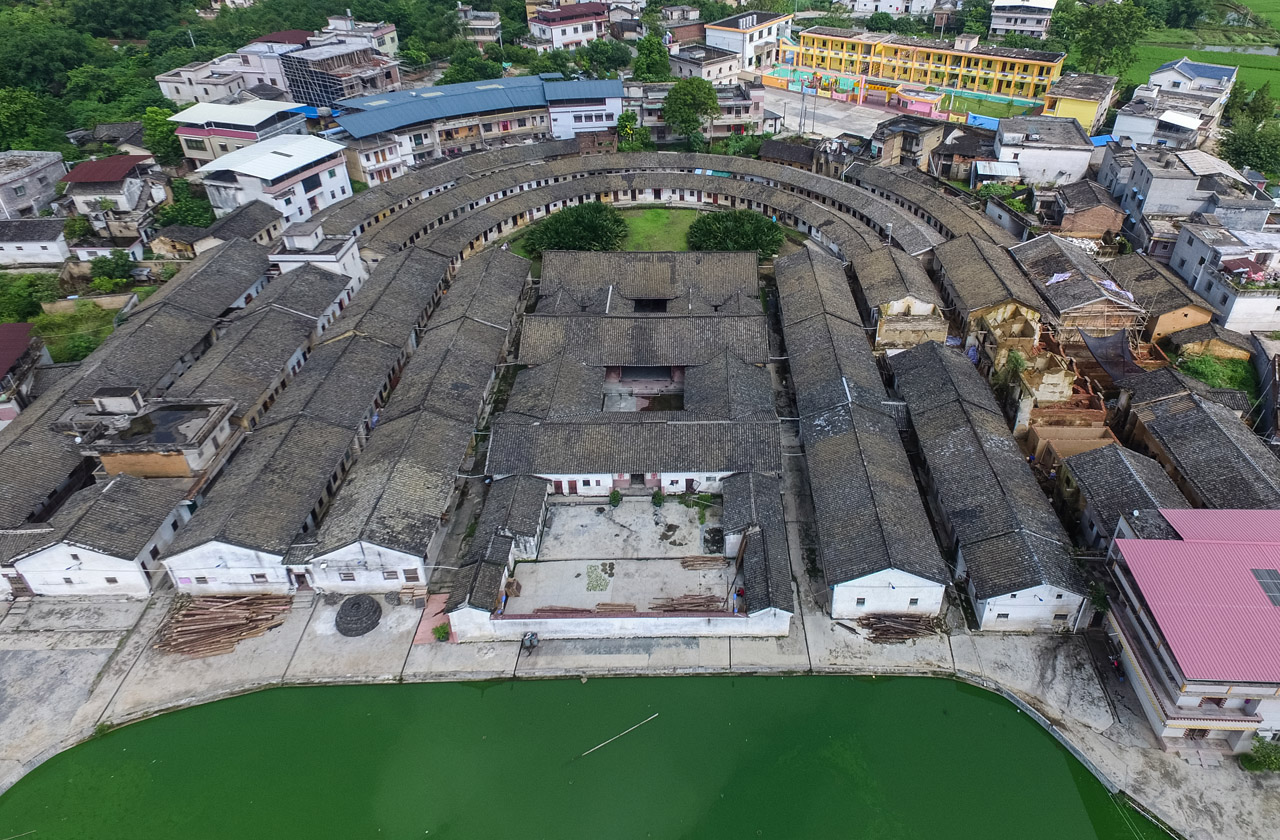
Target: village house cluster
{"x": 987, "y": 405}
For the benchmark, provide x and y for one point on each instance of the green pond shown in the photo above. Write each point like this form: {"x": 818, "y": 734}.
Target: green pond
{"x": 770, "y": 757}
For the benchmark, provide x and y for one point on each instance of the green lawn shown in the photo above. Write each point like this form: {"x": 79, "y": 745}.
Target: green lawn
{"x": 1254, "y": 69}
{"x": 1223, "y": 373}
{"x": 985, "y": 107}
{"x": 1269, "y": 9}
{"x": 657, "y": 229}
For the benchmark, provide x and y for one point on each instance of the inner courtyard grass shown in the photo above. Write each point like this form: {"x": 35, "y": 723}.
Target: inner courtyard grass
{"x": 657, "y": 229}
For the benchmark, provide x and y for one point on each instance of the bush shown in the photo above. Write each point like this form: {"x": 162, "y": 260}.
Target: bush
{"x": 22, "y": 294}
{"x": 108, "y": 285}
{"x": 1222, "y": 373}
{"x": 615, "y": 498}
{"x": 659, "y": 499}
{"x": 117, "y": 266}
{"x": 736, "y": 230}
{"x": 1265, "y": 755}
{"x": 441, "y": 632}
{"x": 583, "y": 227}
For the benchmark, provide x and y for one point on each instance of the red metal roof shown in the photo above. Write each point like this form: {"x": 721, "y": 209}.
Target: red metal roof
{"x": 1226, "y": 526}
{"x": 14, "y": 341}
{"x": 105, "y": 170}
{"x": 1202, "y": 593}
{"x": 286, "y": 36}
{"x": 577, "y": 11}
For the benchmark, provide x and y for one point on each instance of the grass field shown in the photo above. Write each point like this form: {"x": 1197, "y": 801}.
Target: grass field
{"x": 70, "y": 336}
{"x": 986, "y": 108}
{"x": 1269, "y": 9}
{"x": 657, "y": 229}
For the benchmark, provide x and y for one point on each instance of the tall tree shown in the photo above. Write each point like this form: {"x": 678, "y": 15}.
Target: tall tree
{"x": 1065, "y": 20}
{"x": 652, "y": 62}
{"x": 977, "y": 16}
{"x": 1108, "y": 36}
{"x": 583, "y": 227}
{"x": 735, "y": 230}
{"x": 158, "y": 134}
{"x": 1250, "y": 144}
{"x": 688, "y": 103}
{"x": 632, "y": 137}
{"x": 1184, "y": 14}
{"x": 880, "y": 22}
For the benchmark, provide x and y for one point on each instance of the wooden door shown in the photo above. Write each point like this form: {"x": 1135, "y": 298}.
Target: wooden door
{"x": 573, "y": 488}
{"x": 559, "y": 488}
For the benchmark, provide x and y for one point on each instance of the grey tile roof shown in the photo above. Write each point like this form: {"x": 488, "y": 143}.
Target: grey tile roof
{"x": 560, "y": 388}
{"x": 869, "y": 513}
{"x": 646, "y": 341}
{"x": 145, "y": 348}
{"x": 1115, "y": 481}
{"x": 262, "y": 498}
{"x": 728, "y": 388}
{"x": 392, "y": 300}
{"x": 246, "y": 221}
{"x": 1155, "y": 385}
{"x": 449, "y": 371}
{"x": 693, "y": 282}
{"x": 30, "y": 230}
{"x": 754, "y": 501}
{"x": 248, "y": 360}
{"x": 1208, "y": 332}
{"x": 308, "y": 290}
{"x": 983, "y": 274}
{"x": 1009, "y": 535}
{"x": 47, "y": 375}
{"x": 214, "y": 280}
{"x": 830, "y": 360}
{"x": 485, "y": 289}
{"x": 888, "y": 275}
{"x": 1085, "y": 195}
{"x": 117, "y": 517}
{"x": 784, "y": 151}
{"x": 1087, "y": 282}
{"x": 1154, "y": 288}
{"x": 513, "y": 506}
{"x": 339, "y": 383}
{"x": 400, "y": 488}
{"x": 618, "y": 444}
{"x": 1226, "y": 464}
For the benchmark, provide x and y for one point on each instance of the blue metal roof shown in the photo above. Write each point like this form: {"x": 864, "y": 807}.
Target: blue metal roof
{"x": 982, "y": 122}
{"x": 1103, "y": 139}
{"x": 582, "y": 89}
{"x": 1195, "y": 69}
{"x": 369, "y": 115}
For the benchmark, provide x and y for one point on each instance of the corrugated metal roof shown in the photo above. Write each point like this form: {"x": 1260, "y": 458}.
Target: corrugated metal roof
{"x": 105, "y": 170}
{"x": 387, "y": 112}
{"x": 1218, "y": 622}
{"x": 274, "y": 156}
{"x": 243, "y": 113}
{"x": 1226, "y": 526}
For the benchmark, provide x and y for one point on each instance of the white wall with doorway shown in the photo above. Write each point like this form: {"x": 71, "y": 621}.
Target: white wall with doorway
{"x": 887, "y": 591}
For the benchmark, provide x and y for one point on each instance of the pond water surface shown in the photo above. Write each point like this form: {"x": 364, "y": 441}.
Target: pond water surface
{"x": 742, "y": 758}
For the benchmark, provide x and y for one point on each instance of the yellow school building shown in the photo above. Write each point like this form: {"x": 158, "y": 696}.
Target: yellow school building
{"x": 962, "y": 65}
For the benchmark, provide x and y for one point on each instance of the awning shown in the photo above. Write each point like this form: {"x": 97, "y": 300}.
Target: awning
{"x": 1180, "y": 119}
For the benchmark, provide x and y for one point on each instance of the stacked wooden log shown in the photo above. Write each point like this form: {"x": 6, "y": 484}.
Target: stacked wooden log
{"x": 415, "y": 594}
{"x": 210, "y": 626}
{"x": 566, "y": 610}
{"x": 611, "y": 607}
{"x": 897, "y": 627}
{"x": 688, "y": 603}
{"x": 703, "y": 561}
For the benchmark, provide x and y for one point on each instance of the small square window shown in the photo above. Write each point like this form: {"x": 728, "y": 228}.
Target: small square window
{"x": 861, "y": 602}
{"x": 347, "y": 576}
{"x": 202, "y": 580}
{"x": 390, "y": 574}
{"x": 1014, "y": 595}
{"x": 1000, "y": 616}
{"x": 68, "y": 581}
{"x": 1059, "y": 596}
{"x": 259, "y": 578}
{"x": 333, "y": 173}
{"x": 19, "y": 190}
{"x": 411, "y": 575}
{"x": 1060, "y": 617}
{"x": 914, "y": 602}
{"x": 75, "y": 557}
{"x": 112, "y": 581}
{"x": 155, "y": 552}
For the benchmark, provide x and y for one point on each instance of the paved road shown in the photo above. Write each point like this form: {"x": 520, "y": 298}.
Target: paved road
{"x": 832, "y": 118}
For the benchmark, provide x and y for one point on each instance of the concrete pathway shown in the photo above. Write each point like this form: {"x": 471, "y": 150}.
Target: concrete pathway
{"x": 68, "y": 667}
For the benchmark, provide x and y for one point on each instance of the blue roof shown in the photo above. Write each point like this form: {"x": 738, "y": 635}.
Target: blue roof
{"x": 983, "y": 122}
{"x": 1103, "y": 139}
{"x": 369, "y": 115}
{"x": 1195, "y": 69}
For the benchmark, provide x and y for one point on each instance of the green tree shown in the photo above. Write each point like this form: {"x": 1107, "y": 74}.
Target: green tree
{"x": 735, "y": 230}
{"x": 652, "y": 62}
{"x": 1251, "y": 144}
{"x": 688, "y": 103}
{"x": 976, "y": 15}
{"x": 632, "y": 137}
{"x": 553, "y": 61}
{"x": 186, "y": 208}
{"x": 1108, "y": 35}
{"x": 1065, "y": 21}
{"x": 22, "y": 294}
{"x": 1261, "y": 106}
{"x": 21, "y": 110}
{"x": 1017, "y": 41}
{"x": 116, "y": 266}
{"x": 39, "y": 48}
{"x": 1266, "y": 754}
{"x": 158, "y": 134}
{"x": 880, "y": 22}
{"x": 584, "y": 227}
{"x": 601, "y": 57}
{"x": 907, "y": 25}
{"x": 76, "y": 228}
{"x": 134, "y": 19}
{"x": 1184, "y": 14}
{"x": 466, "y": 64}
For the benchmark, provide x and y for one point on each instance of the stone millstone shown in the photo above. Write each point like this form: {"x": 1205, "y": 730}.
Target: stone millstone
{"x": 358, "y": 615}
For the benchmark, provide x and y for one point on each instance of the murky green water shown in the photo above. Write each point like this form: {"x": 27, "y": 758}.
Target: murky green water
{"x": 741, "y": 758}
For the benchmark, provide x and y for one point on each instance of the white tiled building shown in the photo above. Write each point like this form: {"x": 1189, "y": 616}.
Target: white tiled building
{"x": 296, "y": 175}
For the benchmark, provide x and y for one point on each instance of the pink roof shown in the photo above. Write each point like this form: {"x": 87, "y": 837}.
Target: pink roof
{"x": 14, "y": 341}
{"x": 1201, "y": 591}
{"x": 1251, "y": 526}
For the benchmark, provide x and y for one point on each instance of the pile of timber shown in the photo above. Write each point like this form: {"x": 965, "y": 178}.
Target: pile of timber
{"x": 688, "y": 603}
{"x": 608, "y": 607}
{"x": 704, "y": 561}
{"x": 566, "y": 610}
{"x": 897, "y": 627}
{"x": 415, "y": 594}
{"x": 199, "y": 627}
